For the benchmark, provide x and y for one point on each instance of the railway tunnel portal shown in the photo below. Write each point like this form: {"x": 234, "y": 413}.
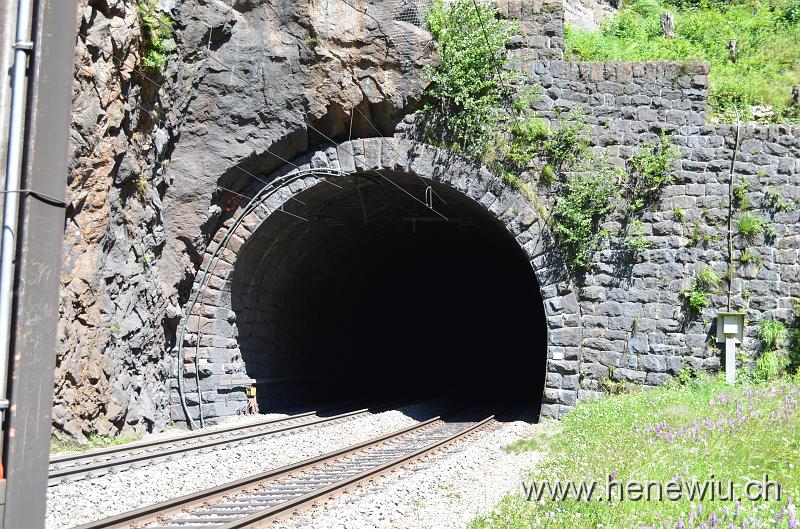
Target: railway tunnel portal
{"x": 378, "y": 269}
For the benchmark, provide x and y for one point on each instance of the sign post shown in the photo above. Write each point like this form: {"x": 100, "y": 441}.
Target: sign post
{"x": 730, "y": 331}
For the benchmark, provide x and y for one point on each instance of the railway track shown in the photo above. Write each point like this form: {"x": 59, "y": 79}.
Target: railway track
{"x": 80, "y": 465}
{"x": 280, "y": 493}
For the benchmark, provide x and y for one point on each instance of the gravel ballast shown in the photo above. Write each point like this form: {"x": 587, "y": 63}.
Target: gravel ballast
{"x": 445, "y": 491}
{"x": 73, "y": 503}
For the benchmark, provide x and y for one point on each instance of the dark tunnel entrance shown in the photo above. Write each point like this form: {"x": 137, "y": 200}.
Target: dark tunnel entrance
{"x": 357, "y": 293}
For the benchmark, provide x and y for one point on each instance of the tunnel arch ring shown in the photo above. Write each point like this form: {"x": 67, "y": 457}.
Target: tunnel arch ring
{"x": 207, "y": 312}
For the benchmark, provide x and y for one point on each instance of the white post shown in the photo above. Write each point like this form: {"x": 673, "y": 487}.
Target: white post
{"x": 730, "y": 359}
{"x": 730, "y": 331}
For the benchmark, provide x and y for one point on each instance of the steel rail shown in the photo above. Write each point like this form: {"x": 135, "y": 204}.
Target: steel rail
{"x": 290, "y": 507}
{"x": 149, "y": 451}
{"x": 151, "y": 513}
{"x": 158, "y": 512}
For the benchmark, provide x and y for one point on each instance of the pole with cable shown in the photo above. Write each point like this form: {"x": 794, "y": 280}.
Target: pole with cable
{"x": 11, "y": 195}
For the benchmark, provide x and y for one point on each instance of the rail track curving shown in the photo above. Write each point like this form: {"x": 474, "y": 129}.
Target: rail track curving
{"x": 81, "y": 465}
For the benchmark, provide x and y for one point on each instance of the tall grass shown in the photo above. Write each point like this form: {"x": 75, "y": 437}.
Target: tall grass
{"x": 768, "y": 42}
{"x": 698, "y": 431}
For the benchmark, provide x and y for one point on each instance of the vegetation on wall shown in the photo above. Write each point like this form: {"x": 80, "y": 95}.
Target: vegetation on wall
{"x": 477, "y": 106}
{"x": 698, "y": 297}
{"x": 157, "y": 29}
{"x": 758, "y": 83}
{"x": 780, "y": 345}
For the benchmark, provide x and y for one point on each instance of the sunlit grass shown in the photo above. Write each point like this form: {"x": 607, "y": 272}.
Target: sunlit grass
{"x": 768, "y": 43}
{"x": 699, "y": 431}
{"x": 94, "y": 441}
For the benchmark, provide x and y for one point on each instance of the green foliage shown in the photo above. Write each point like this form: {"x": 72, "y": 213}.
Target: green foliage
{"x": 770, "y": 365}
{"x": 616, "y": 435}
{"x": 748, "y": 257}
{"x": 697, "y": 300}
{"x": 794, "y": 349}
{"x": 470, "y": 87}
{"x": 774, "y": 200}
{"x": 635, "y": 239}
{"x": 94, "y": 441}
{"x": 699, "y": 296}
{"x": 767, "y": 34}
{"x": 773, "y": 361}
{"x": 740, "y": 200}
{"x": 649, "y": 171}
{"x": 750, "y": 226}
{"x": 142, "y": 187}
{"x": 707, "y": 279}
{"x": 789, "y": 11}
{"x": 686, "y": 376}
{"x": 679, "y": 214}
{"x": 585, "y": 199}
{"x": 157, "y": 28}
{"x": 566, "y": 144}
{"x": 772, "y": 334}
{"x": 474, "y": 106}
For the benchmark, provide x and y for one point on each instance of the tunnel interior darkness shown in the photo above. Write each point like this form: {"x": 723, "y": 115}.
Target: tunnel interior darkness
{"x": 356, "y": 292}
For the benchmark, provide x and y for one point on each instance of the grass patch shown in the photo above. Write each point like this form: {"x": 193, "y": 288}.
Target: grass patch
{"x": 93, "y": 442}
{"x": 750, "y": 226}
{"x": 682, "y": 433}
{"x": 767, "y": 33}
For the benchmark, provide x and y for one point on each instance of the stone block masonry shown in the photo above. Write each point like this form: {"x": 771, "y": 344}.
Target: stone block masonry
{"x": 635, "y": 326}
{"x": 625, "y": 321}
{"x": 238, "y": 96}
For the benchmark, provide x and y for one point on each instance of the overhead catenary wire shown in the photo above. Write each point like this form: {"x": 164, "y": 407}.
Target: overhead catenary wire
{"x": 309, "y": 125}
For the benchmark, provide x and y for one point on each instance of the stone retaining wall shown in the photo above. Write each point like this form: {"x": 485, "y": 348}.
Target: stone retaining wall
{"x": 635, "y": 326}
{"x": 625, "y": 321}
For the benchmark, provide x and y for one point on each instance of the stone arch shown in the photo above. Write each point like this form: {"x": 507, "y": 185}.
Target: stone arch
{"x": 212, "y": 364}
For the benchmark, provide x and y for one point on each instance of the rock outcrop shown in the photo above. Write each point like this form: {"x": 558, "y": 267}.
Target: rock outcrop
{"x": 158, "y": 156}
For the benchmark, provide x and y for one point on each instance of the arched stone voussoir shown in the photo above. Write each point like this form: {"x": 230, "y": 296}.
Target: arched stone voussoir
{"x": 508, "y": 205}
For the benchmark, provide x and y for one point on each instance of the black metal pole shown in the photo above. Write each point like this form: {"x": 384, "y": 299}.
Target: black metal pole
{"x": 38, "y": 264}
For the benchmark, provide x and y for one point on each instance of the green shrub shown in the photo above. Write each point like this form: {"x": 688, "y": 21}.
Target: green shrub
{"x": 750, "y": 226}
{"x": 469, "y": 87}
{"x": 698, "y": 300}
{"x": 142, "y": 187}
{"x": 635, "y": 239}
{"x": 774, "y": 200}
{"x": 789, "y": 11}
{"x": 157, "y": 27}
{"x": 649, "y": 171}
{"x": 770, "y": 365}
{"x": 567, "y": 144}
{"x": 794, "y": 349}
{"x": 586, "y": 198}
{"x": 686, "y": 376}
{"x": 699, "y": 296}
{"x": 740, "y": 200}
{"x": 749, "y": 257}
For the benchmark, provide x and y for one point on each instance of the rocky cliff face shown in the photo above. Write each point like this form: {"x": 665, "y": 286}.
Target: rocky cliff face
{"x": 157, "y": 158}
